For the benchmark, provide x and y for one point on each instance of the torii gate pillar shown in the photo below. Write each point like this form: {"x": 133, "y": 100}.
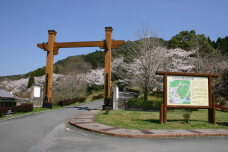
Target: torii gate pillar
{"x": 107, "y": 70}
{"x": 49, "y": 69}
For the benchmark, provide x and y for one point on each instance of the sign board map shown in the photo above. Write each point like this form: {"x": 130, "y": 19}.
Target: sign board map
{"x": 187, "y": 90}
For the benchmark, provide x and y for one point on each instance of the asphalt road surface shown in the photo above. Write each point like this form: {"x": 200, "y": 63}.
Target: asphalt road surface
{"x": 77, "y": 140}
{"x": 34, "y": 132}
{"x": 49, "y": 131}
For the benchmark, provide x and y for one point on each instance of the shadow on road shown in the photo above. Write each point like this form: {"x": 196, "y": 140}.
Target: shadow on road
{"x": 84, "y": 108}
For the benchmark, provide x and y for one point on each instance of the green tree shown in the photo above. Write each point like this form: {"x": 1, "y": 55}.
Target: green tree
{"x": 222, "y": 44}
{"x": 189, "y": 40}
{"x": 31, "y": 81}
{"x": 96, "y": 59}
{"x": 212, "y": 43}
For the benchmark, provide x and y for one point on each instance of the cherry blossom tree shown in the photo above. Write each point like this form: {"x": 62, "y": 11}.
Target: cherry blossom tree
{"x": 144, "y": 58}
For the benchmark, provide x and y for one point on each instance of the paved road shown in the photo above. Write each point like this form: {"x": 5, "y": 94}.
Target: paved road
{"x": 49, "y": 131}
{"x": 73, "y": 139}
{"x": 33, "y": 132}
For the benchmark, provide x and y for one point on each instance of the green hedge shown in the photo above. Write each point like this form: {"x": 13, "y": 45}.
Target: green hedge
{"x": 70, "y": 101}
{"x": 25, "y": 107}
{"x": 140, "y": 104}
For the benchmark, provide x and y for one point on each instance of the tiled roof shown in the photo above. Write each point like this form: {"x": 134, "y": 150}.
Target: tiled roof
{"x": 6, "y": 94}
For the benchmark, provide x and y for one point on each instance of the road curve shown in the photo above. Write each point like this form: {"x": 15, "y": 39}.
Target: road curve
{"x": 33, "y": 132}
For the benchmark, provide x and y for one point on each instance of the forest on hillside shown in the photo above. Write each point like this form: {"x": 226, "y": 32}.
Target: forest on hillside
{"x": 186, "y": 40}
{"x": 135, "y": 63}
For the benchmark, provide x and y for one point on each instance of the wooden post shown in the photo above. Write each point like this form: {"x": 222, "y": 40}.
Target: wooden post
{"x": 107, "y": 71}
{"x": 213, "y": 121}
{"x": 210, "y": 100}
{"x": 165, "y": 98}
{"x": 161, "y": 114}
{"x": 49, "y": 69}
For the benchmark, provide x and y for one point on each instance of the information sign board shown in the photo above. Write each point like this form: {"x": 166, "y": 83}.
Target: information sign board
{"x": 187, "y": 91}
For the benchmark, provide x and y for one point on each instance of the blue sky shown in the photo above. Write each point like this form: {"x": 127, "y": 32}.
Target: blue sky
{"x": 24, "y": 23}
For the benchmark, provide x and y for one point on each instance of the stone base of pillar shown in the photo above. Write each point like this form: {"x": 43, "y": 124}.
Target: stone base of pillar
{"x": 47, "y": 105}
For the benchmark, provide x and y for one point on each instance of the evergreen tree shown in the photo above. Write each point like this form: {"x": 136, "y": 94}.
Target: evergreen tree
{"x": 222, "y": 44}
{"x": 56, "y": 69}
{"x": 212, "y": 43}
{"x": 96, "y": 59}
{"x": 31, "y": 81}
{"x": 189, "y": 40}
{"x": 218, "y": 43}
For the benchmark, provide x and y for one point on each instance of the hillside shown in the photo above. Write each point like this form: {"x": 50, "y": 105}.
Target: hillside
{"x": 186, "y": 40}
{"x": 76, "y": 64}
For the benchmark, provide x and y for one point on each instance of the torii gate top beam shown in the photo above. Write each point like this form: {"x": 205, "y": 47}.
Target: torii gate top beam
{"x": 100, "y": 44}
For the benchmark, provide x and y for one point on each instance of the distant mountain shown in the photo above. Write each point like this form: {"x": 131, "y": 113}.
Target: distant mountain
{"x": 76, "y": 63}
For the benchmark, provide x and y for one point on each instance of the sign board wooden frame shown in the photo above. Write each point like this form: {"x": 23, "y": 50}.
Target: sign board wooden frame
{"x": 211, "y": 101}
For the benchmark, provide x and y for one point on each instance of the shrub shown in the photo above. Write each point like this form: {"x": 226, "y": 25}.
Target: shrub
{"x": 94, "y": 87}
{"x": 186, "y": 116}
{"x": 3, "y": 110}
{"x": 221, "y": 100}
{"x": 66, "y": 102}
{"x": 98, "y": 96}
{"x": 140, "y": 104}
{"x": 135, "y": 102}
{"x": 25, "y": 107}
{"x": 70, "y": 101}
{"x": 80, "y": 99}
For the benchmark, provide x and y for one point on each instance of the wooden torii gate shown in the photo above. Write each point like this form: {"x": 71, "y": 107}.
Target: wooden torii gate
{"x": 52, "y": 48}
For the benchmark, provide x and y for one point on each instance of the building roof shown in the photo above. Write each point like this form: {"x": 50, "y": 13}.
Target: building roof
{"x": 5, "y": 94}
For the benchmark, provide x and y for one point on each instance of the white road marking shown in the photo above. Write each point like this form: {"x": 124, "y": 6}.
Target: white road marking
{"x": 40, "y": 147}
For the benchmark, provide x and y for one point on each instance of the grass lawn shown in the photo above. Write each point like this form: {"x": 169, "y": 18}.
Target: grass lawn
{"x": 150, "y": 120}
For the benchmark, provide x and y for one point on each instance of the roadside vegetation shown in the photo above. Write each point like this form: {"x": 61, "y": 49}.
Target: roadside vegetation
{"x": 150, "y": 120}
{"x": 138, "y": 103}
{"x": 95, "y": 95}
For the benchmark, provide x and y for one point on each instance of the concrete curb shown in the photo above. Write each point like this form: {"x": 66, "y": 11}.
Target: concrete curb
{"x": 85, "y": 121}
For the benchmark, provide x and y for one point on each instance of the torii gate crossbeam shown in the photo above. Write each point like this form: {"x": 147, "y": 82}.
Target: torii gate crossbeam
{"x": 52, "y": 48}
